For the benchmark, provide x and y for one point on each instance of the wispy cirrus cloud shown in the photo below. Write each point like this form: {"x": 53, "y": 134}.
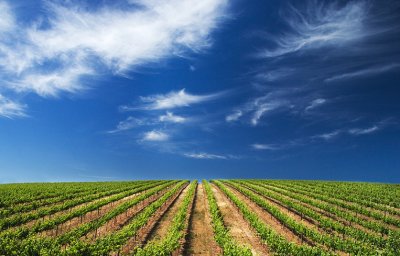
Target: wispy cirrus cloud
{"x": 315, "y": 103}
{"x": 204, "y": 155}
{"x": 11, "y": 109}
{"x": 328, "y": 136}
{"x": 259, "y": 146}
{"x": 155, "y": 135}
{"x": 234, "y": 116}
{"x": 69, "y": 42}
{"x": 132, "y": 122}
{"x": 362, "y": 131}
{"x": 170, "y": 117}
{"x": 128, "y": 124}
{"x": 257, "y": 107}
{"x": 320, "y": 25}
{"x": 7, "y": 21}
{"x": 355, "y": 131}
{"x": 364, "y": 72}
{"x": 171, "y": 100}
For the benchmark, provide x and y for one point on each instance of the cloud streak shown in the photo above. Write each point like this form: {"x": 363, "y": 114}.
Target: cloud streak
{"x": 155, "y": 136}
{"x": 169, "y": 117}
{"x": 320, "y": 25}
{"x": 171, "y": 100}
{"x": 257, "y": 108}
{"x": 204, "y": 155}
{"x": 53, "y": 54}
{"x": 362, "y": 131}
{"x": 258, "y": 146}
{"x": 128, "y": 124}
{"x": 315, "y": 103}
{"x": 364, "y": 72}
{"x": 11, "y": 109}
{"x": 352, "y": 131}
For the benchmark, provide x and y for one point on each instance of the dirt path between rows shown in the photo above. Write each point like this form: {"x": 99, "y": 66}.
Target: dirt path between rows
{"x": 237, "y": 225}
{"x": 144, "y": 232}
{"x": 66, "y": 211}
{"x": 298, "y": 218}
{"x": 162, "y": 225}
{"x": 201, "y": 237}
{"x": 87, "y": 217}
{"x": 267, "y": 218}
{"x": 354, "y": 213}
{"x": 122, "y": 219}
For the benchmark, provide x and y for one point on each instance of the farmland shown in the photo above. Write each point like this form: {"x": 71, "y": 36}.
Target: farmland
{"x": 218, "y": 217}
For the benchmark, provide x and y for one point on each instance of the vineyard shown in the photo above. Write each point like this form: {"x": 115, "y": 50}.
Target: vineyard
{"x": 218, "y": 217}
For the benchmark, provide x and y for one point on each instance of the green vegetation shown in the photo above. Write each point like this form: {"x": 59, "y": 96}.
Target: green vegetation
{"x": 326, "y": 218}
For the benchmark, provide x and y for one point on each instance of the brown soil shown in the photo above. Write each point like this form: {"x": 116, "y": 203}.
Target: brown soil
{"x": 162, "y": 225}
{"x": 237, "y": 225}
{"x": 59, "y": 213}
{"x": 359, "y": 215}
{"x": 291, "y": 213}
{"x": 143, "y": 234}
{"x": 88, "y": 217}
{"x": 201, "y": 238}
{"x": 268, "y": 219}
{"x": 393, "y": 227}
{"x": 120, "y": 220}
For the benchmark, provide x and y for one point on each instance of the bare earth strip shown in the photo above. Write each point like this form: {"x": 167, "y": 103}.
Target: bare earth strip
{"x": 238, "y": 227}
{"x": 300, "y": 219}
{"x": 90, "y": 216}
{"x": 162, "y": 225}
{"x": 119, "y": 221}
{"x": 142, "y": 235}
{"x": 59, "y": 213}
{"x": 268, "y": 218}
{"x": 201, "y": 238}
{"x": 360, "y": 215}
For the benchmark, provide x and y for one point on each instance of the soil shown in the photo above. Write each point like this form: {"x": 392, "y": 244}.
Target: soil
{"x": 144, "y": 233}
{"x": 120, "y": 220}
{"x": 237, "y": 225}
{"x": 201, "y": 237}
{"x": 161, "y": 227}
{"x": 268, "y": 219}
{"x": 86, "y": 218}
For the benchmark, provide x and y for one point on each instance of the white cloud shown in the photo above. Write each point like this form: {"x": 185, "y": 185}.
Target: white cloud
{"x": 172, "y": 100}
{"x": 171, "y": 118}
{"x": 128, "y": 124}
{"x": 52, "y": 54}
{"x": 264, "y": 147}
{"x": 315, "y": 103}
{"x": 352, "y": 131}
{"x": 258, "y": 107}
{"x": 52, "y": 83}
{"x": 320, "y": 25}
{"x": 7, "y": 20}
{"x": 362, "y": 131}
{"x": 11, "y": 109}
{"x": 234, "y": 116}
{"x": 274, "y": 75}
{"x": 328, "y": 136}
{"x": 155, "y": 136}
{"x": 261, "y": 107}
{"x": 364, "y": 72}
{"x": 204, "y": 156}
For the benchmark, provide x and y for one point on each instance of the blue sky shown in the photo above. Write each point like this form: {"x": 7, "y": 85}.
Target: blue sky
{"x": 199, "y": 89}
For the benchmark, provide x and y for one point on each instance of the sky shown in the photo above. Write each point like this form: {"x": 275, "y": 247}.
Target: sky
{"x": 188, "y": 89}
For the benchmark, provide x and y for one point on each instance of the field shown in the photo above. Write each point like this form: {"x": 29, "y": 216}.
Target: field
{"x": 221, "y": 217}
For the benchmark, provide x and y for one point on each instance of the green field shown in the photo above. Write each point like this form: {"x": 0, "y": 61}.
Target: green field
{"x": 178, "y": 217}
